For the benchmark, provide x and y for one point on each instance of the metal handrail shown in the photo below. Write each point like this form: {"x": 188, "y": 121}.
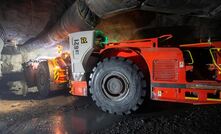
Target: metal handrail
{"x": 191, "y": 57}
{"x": 213, "y": 58}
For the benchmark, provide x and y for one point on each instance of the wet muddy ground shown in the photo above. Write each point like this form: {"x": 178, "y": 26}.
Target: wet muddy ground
{"x": 66, "y": 114}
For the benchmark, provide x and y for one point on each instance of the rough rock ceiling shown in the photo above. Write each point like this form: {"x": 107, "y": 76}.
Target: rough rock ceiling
{"x": 24, "y": 19}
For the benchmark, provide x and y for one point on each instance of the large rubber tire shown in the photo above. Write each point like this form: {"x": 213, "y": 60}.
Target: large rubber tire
{"x": 43, "y": 80}
{"x": 117, "y": 86}
{"x": 30, "y": 75}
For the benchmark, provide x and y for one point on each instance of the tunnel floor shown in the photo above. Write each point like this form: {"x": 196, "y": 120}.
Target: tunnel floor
{"x": 62, "y": 113}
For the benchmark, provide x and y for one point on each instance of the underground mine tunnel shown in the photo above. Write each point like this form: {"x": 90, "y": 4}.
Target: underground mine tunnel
{"x": 110, "y": 66}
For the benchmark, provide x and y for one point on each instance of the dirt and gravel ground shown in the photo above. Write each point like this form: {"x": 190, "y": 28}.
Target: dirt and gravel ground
{"x": 66, "y": 114}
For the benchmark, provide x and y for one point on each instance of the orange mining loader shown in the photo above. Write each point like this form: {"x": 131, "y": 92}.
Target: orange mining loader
{"x": 120, "y": 75}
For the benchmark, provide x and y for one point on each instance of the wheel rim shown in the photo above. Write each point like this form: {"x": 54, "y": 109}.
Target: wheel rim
{"x": 115, "y": 86}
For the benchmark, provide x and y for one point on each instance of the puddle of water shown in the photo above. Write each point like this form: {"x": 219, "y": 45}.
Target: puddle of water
{"x": 69, "y": 122}
{"x": 2, "y": 125}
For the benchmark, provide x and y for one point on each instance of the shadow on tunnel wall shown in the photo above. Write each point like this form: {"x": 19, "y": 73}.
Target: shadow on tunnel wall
{"x": 143, "y": 24}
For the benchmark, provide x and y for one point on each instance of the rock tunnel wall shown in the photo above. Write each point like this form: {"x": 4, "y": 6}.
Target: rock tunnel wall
{"x": 86, "y": 14}
{"x": 111, "y": 16}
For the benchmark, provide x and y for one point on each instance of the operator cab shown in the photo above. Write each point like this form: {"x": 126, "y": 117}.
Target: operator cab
{"x": 203, "y": 61}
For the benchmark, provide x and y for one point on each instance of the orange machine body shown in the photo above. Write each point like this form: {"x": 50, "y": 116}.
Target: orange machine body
{"x": 165, "y": 70}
